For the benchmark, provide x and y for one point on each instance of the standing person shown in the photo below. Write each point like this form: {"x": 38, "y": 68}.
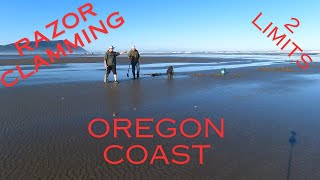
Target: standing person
{"x": 134, "y": 56}
{"x": 110, "y": 63}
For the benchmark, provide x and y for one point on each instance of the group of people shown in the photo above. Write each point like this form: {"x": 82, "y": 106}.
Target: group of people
{"x": 110, "y": 62}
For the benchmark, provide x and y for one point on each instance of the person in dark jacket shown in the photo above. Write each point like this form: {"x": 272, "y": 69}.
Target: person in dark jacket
{"x": 134, "y": 56}
{"x": 170, "y": 72}
{"x": 110, "y": 63}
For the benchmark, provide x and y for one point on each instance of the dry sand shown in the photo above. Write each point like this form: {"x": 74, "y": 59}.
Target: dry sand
{"x": 43, "y": 128}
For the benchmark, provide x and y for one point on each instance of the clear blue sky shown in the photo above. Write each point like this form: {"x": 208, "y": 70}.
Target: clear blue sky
{"x": 157, "y": 25}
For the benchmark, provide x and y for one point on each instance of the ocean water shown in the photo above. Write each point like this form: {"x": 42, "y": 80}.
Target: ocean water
{"x": 272, "y": 56}
{"x": 30, "y": 56}
{"x": 263, "y": 55}
{"x": 76, "y": 72}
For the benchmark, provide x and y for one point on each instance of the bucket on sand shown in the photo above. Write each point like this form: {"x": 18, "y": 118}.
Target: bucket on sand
{"x": 223, "y": 71}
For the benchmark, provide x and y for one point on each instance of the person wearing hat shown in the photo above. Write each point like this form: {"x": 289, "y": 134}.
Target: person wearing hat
{"x": 134, "y": 56}
{"x": 110, "y": 63}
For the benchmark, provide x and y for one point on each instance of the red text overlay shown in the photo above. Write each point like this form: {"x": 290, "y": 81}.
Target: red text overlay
{"x": 283, "y": 40}
{"x": 58, "y": 28}
{"x": 166, "y": 128}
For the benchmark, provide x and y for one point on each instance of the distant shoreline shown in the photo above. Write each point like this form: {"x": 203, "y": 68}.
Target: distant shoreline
{"x": 121, "y": 60}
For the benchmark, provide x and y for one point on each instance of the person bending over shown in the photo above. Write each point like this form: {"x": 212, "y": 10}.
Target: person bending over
{"x": 134, "y": 56}
{"x": 110, "y": 63}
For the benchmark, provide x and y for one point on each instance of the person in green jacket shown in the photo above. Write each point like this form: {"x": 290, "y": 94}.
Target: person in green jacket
{"x": 134, "y": 56}
{"x": 110, "y": 63}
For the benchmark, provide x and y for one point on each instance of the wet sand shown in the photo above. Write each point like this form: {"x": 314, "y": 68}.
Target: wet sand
{"x": 43, "y": 128}
{"x": 120, "y": 60}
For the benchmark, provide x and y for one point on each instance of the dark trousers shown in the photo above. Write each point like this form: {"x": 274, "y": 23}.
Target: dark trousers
{"x": 112, "y": 68}
{"x": 135, "y": 65}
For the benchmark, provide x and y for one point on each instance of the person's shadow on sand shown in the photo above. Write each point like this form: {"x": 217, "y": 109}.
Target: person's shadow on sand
{"x": 113, "y": 98}
{"x": 135, "y": 94}
{"x": 292, "y": 142}
{"x": 170, "y": 86}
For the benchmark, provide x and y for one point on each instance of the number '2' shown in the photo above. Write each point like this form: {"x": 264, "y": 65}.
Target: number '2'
{"x": 288, "y": 26}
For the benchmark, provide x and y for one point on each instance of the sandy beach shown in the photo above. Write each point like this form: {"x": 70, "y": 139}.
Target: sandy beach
{"x": 43, "y": 126}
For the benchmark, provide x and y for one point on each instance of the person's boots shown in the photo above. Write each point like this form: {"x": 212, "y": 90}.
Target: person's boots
{"x": 138, "y": 75}
{"x": 134, "y": 75}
